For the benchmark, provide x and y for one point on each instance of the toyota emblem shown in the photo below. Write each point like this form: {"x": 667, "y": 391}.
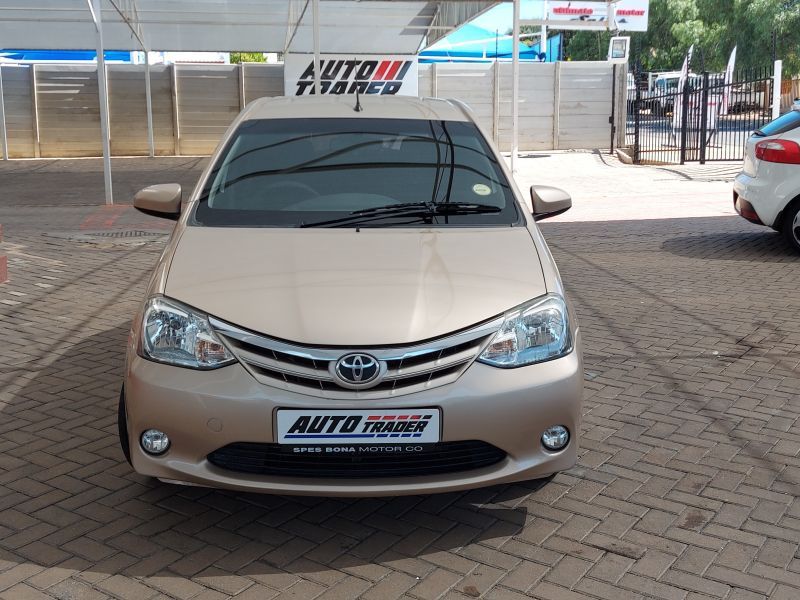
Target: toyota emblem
{"x": 357, "y": 369}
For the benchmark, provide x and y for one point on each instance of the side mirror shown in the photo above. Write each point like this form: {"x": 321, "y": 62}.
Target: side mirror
{"x": 549, "y": 201}
{"x": 163, "y": 200}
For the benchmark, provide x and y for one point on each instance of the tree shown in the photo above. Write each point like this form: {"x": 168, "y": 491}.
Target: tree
{"x": 240, "y": 57}
{"x": 586, "y": 45}
{"x": 714, "y": 27}
{"x": 527, "y": 29}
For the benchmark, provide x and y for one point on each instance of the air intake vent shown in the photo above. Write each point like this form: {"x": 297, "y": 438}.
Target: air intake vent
{"x": 364, "y": 461}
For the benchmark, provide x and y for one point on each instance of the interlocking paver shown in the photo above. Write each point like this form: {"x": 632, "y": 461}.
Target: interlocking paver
{"x": 688, "y": 480}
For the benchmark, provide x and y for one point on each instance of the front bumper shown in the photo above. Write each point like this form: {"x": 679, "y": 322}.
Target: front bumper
{"x": 203, "y": 411}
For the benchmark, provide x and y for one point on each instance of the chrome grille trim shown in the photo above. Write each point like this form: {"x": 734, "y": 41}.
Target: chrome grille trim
{"x": 307, "y": 369}
{"x": 276, "y": 365}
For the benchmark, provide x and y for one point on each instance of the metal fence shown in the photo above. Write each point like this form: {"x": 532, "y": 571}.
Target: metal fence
{"x": 54, "y": 110}
{"x": 705, "y": 120}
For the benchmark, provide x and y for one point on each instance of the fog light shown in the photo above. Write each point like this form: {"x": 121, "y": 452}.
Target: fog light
{"x": 155, "y": 441}
{"x": 555, "y": 437}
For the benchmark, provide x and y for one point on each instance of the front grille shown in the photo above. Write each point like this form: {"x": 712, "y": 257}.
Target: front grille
{"x": 282, "y": 461}
{"x": 308, "y": 370}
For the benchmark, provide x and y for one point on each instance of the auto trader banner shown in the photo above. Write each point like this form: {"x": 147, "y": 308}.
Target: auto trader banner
{"x": 342, "y": 73}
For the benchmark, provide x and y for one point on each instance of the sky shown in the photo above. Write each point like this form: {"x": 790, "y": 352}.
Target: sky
{"x": 500, "y": 18}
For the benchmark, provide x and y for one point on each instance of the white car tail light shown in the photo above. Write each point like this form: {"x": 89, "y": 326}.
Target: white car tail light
{"x": 778, "y": 151}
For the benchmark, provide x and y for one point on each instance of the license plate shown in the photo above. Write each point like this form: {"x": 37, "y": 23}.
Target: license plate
{"x": 358, "y": 426}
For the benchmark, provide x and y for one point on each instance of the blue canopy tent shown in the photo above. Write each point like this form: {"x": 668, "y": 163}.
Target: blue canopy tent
{"x": 471, "y": 43}
{"x": 553, "y": 48}
{"x": 61, "y": 56}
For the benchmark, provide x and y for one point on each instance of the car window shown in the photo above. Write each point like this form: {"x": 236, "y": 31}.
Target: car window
{"x": 784, "y": 123}
{"x": 290, "y": 172}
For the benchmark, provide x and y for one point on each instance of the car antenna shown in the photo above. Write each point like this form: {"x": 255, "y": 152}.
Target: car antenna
{"x": 357, "y": 107}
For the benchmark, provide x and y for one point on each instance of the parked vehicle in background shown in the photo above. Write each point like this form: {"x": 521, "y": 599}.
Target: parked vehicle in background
{"x": 660, "y": 90}
{"x": 747, "y": 97}
{"x": 356, "y": 300}
{"x": 767, "y": 191}
{"x": 661, "y": 99}
{"x": 631, "y": 92}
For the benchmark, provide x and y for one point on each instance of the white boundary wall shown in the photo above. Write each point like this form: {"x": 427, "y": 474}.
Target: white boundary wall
{"x": 53, "y": 110}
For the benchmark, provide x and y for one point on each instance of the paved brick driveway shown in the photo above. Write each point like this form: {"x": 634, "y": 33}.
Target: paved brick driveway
{"x": 687, "y": 486}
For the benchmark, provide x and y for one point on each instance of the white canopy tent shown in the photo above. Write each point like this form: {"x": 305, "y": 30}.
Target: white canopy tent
{"x": 331, "y": 26}
{"x": 359, "y": 26}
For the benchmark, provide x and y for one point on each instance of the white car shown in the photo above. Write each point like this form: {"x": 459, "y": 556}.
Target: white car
{"x": 767, "y": 191}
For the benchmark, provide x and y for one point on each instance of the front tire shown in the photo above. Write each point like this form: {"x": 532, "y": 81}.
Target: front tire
{"x": 791, "y": 225}
{"x": 122, "y": 427}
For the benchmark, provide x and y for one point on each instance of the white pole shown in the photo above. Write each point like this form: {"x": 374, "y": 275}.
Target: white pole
{"x": 150, "y": 141}
{"x": 515, "y": 89}
{"x": 776, "y": 89}
{"x": 3, "y": 117}
{"x": 543, "y": 42}
{"x": 102, "y": 83}
{"x": 317, "y": 75}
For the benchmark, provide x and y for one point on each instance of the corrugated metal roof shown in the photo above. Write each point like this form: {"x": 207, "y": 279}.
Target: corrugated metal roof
{"x": 358, "y": 26}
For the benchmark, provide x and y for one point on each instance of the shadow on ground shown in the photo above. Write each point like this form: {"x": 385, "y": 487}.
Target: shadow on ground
{"x": 79, "y": 182}
{"x": 753, "y": 246}
{"x": 78, "y": 502}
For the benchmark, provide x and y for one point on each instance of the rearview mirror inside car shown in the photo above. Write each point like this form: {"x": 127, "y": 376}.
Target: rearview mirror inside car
{"x": 163, "y": 200}
{"x": 549, "y": 201}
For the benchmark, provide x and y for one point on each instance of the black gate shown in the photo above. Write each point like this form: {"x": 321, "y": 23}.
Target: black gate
{"x": 705, "y": 120}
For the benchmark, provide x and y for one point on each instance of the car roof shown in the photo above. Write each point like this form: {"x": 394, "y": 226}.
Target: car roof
{"x": 374, "y": 106}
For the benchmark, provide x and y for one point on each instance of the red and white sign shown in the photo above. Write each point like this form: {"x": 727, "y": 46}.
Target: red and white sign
{"x": 344, "y": 73}
{"x": 630, "y": 15}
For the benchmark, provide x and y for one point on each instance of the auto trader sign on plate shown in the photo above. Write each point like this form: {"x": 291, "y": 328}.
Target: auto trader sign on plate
{"x": 341, "y": 73}
{"x": 420, "y": 426}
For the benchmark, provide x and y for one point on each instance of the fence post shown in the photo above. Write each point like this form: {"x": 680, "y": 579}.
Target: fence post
{"x": 776, "y": 89}
{"x": 612, "y": 118}
{"x": 35, "y": 97}
{"x": 496, "y": 102}
{"x": 704, "y": 119}
{"x": 176, "y": 122}
{"x": 557, "y": 106}
{"x": 621, "y": 124}
{"x": 684, "y": 118}
{"x": 3, "y": 119}
{"x": 151, "y": 144}
{"x": 637, "y": 106}
{"x": 242, "y": 92}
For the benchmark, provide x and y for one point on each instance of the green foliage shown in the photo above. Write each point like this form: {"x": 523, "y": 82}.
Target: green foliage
{"x": 714, "y": 27}
{"x": 241, "y": 57}
{"x": 586, "y": 45}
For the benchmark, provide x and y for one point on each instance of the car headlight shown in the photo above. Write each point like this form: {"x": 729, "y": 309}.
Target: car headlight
{"x": 177, "y": 335}
{"x": 533, "y": 332}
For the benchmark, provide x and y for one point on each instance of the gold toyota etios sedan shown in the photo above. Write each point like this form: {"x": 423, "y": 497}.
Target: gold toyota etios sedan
{"x": 355, "y": 300}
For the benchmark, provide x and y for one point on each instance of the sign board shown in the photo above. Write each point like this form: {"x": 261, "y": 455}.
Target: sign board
{"x": 630, "y": 15}
{"x": 343, "y": 73}
{"x": 618, "y": 49}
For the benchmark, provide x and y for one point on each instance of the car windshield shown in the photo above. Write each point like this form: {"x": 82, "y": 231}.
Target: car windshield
{"x": 298, "y": 172}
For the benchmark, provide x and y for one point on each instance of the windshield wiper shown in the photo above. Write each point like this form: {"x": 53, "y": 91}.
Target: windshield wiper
{"x": 408, "y": 209}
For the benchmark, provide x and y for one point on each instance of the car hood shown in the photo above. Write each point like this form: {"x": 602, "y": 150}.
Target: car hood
{"x": 340, "y": 287}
